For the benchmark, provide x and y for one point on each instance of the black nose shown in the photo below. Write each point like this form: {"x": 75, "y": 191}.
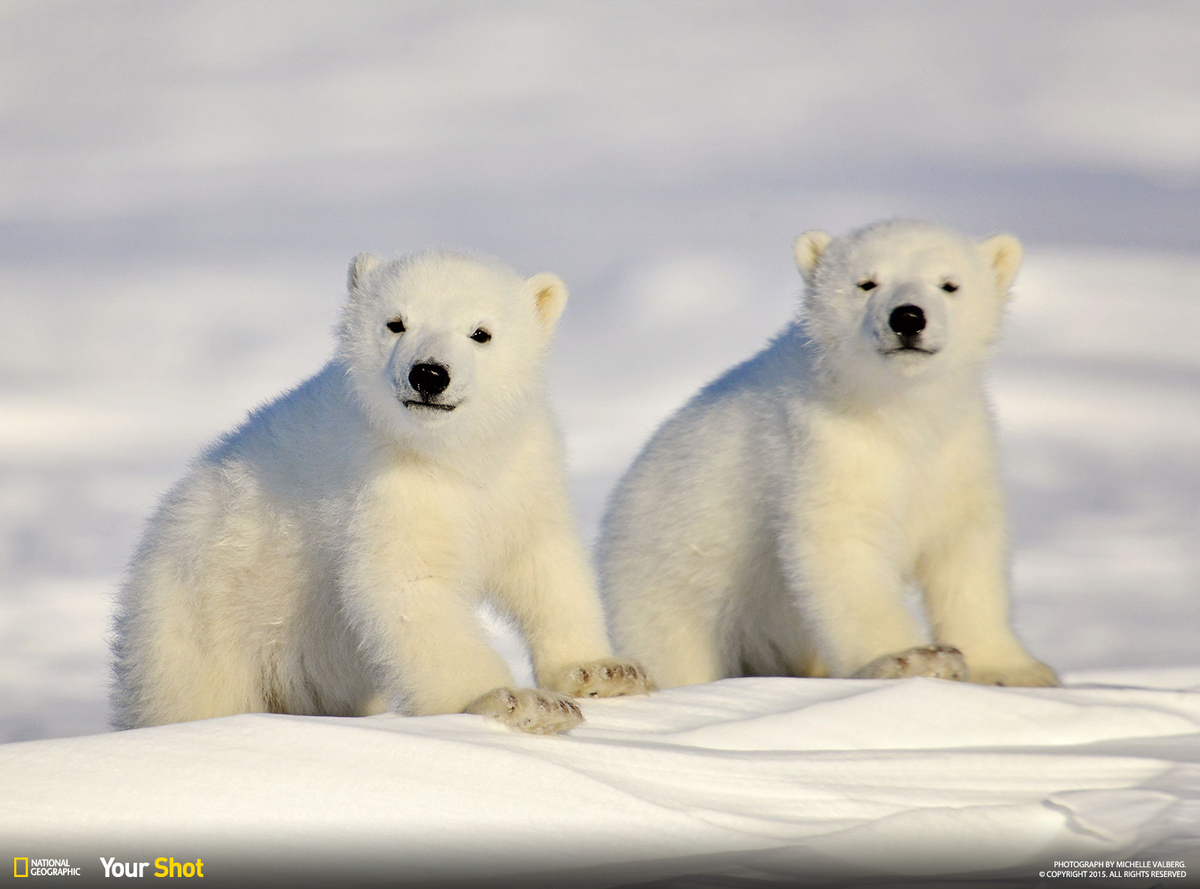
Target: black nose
{"x": 907, "y": 320}
{"x": 429, "y": 379}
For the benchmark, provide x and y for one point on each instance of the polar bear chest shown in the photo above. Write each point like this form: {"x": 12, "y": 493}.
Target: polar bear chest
{"x": 457, "y": 522}
{"x": 901, "y": 479}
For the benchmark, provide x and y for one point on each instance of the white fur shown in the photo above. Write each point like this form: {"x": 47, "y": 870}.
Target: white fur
{"x": 327, "y": 556}
{"x": 772, "y": 524}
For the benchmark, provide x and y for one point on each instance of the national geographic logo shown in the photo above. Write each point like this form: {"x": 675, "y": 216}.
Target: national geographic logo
{"x": 43, "y": 867}
{"x": 61, "y": 867}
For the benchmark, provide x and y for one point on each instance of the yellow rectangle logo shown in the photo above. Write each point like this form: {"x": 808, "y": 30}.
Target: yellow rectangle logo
{"x": 17, "y": 867}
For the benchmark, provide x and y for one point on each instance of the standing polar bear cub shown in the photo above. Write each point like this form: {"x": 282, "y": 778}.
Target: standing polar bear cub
{"x": 327, "y": 556}
{"x": 771, "y": 526}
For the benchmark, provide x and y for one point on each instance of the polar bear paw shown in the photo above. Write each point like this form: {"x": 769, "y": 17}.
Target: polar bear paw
{"x": 533, "y": 710}
{"x": 931, "y": 661}
{"x": 604, "y": 679}
{"x": 1032, "y": 674}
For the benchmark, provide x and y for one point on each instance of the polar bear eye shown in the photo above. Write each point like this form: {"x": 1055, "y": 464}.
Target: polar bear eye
{"x": 481, "y": 335}
{"x": 868, "y": 284}
{"x": 396, "y": 325}
{"x": 950, "y": 287}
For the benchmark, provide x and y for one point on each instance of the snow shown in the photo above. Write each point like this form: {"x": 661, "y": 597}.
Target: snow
{"x": 181, "y": 187}
{"x": 791, "y": 777}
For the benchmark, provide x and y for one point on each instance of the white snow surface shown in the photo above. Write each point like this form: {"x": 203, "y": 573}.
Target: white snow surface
{"x": 181, "y": 188}
{"x": 786, "y": 777}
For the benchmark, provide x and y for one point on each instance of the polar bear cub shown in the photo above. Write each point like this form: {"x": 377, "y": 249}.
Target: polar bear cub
{"x": 772, "y": 525}
{"x": 327, "y": 556}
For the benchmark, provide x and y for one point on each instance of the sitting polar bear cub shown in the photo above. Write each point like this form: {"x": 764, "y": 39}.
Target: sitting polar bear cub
{"x": 770, "y": 527}
{"x": 327, "y": 556}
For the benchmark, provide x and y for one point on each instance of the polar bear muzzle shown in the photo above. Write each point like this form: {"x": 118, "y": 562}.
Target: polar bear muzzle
{"x": 910, "y": 321}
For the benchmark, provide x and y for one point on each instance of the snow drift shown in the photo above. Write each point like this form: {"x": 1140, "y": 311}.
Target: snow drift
{"x": 766, "y": 778}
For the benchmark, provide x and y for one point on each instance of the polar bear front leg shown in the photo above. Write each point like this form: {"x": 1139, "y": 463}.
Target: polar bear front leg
{"x": 847, "y": 585}
{"x": 429, "y": 642}
{"x": 424, "y": 638}
{"x": 965, "y": 584}
{"x": 549, "y": 587}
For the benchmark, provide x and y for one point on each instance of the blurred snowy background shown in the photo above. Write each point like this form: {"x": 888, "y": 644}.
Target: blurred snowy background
{"x": 182, "y": 185}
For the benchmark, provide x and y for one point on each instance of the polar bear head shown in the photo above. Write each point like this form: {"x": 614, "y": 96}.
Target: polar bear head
{"x": 440, "y": 345}
{"x": 903, "y": 299}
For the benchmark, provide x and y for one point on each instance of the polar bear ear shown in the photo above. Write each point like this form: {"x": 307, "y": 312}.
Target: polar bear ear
{"x": 360, "y": 266}
{"x": 550, "y": 297}
{"x": 807, "y": 248}
{"x": 1002, "y": 254}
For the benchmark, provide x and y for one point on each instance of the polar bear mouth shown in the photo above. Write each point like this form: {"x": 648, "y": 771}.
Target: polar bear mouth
{"x": 430, "y": 405}
{"x": 900, "y": 350}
